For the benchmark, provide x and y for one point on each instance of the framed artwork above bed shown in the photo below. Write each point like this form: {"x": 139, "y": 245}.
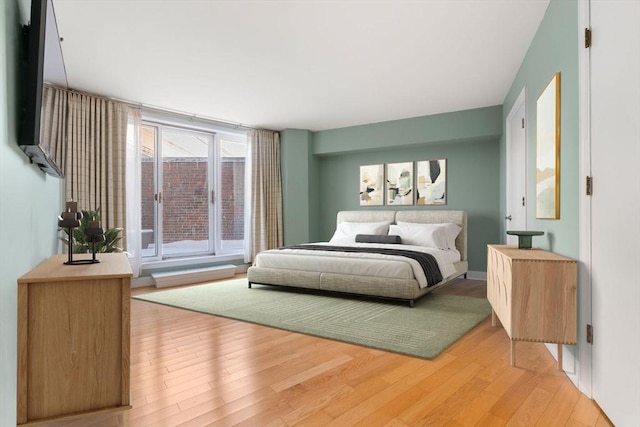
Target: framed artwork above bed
{"x": 431, "y": 182}
{"x": 400, "y": 183}
{"x": 372, "y": 185}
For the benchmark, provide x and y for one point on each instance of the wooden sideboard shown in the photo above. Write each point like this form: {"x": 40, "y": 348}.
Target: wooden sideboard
{"x": 73, "y": 339}
{"x": 533, "y": 293}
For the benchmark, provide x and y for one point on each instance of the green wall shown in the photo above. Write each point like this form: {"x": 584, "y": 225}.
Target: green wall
{"x": 469, "y": 125}
{"x": 553, "y": 49}
{"x": 295, "y": 154}
{"x": 29, "y": 205}
{"x": 469, "y": 140}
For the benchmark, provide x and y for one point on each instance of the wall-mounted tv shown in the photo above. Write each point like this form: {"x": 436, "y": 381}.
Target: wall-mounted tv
{"x": 44, "y": 64}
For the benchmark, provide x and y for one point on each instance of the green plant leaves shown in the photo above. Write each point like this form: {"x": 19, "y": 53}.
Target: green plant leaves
{"x": 112, "y": 236}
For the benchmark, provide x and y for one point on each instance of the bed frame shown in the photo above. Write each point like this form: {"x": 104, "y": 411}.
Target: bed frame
{"x": 403, "y": 289}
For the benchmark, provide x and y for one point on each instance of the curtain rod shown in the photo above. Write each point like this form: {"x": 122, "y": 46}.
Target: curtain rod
{"x": 156, "y": 108}
{"x": 192, "y": 116}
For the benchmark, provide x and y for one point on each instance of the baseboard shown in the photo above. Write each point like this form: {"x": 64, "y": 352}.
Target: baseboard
{"x": 142, "y": 282}
{"x": 477, "y": 275}
{"x": 197, "y": 275}
{"x": 242, "y": 268}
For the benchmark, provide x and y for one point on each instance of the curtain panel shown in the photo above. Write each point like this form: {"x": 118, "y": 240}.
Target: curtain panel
{"x": 94, "y": 152}
{"x": 132, "y": 231}
{"x": 266, "y": 228}
{"x": 53, "y": 122}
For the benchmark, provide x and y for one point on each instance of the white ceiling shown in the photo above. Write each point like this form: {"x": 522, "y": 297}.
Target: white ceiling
{"x": 298, "y": 64}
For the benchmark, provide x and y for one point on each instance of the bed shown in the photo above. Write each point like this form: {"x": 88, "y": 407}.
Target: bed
{"x": 322, "y": 266}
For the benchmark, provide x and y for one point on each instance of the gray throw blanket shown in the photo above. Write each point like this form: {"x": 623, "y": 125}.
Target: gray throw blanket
{"x": 427, "y": 261}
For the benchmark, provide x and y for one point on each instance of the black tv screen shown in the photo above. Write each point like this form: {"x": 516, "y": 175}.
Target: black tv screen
{"x": 44, "y": 65}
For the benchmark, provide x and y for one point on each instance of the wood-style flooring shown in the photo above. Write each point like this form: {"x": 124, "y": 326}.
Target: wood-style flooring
{"x": 192, "y": 369}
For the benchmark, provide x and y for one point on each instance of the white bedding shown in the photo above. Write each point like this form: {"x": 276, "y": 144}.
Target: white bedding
{"x": 363, "y": 264}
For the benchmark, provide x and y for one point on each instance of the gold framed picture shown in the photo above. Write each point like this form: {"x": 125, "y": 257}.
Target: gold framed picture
{"x": 372, "y": 185}
{"x": 431, "y": 182}
{"x": 548, "y": 151}
{"x": 400, "y": 183}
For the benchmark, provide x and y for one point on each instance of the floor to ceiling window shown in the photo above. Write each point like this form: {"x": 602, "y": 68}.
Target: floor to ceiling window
{"x": 192, "y": 191}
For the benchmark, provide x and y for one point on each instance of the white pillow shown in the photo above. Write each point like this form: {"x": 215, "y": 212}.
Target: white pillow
{"x": 346, "y": 231}
{"x": 429, "y": 235}
{"x": 451, "y": 230}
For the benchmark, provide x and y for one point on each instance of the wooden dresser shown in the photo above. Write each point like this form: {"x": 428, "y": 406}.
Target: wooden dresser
{"x": 73, "y": 339}
{"x": 533, "y": 294}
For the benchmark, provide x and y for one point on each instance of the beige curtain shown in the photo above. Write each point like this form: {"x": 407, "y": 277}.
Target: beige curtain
{"x": 54, "y": 123}
{"x": 96, "y": 156}
{"x": 266, "y": 192}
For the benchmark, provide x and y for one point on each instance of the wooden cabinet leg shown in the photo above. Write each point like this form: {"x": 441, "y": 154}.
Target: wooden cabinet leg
{"x": 559, "y": 357}
{"x": 494, "y": 318}
{"x": 513, "y": 353}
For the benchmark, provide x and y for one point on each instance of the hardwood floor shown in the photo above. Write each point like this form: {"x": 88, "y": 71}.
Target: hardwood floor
{"x": 193, "y": 369}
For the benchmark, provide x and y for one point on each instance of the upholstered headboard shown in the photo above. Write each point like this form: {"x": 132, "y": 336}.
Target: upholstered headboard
{"x": 421, "y": 216}
{"x": 366, "y": 216}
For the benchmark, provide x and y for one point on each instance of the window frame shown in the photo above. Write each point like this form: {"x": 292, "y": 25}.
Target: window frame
{"x": 160, "y": 120}
{"x": 217, "y": 183}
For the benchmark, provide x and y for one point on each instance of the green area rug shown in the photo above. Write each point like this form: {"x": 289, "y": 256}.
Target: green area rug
{"x": 433, "y": 324}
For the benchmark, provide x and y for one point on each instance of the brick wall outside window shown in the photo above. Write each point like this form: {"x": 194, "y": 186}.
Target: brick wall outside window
{"x": 147, "y": 193}
{"x": 231, "y": 198}
{"x": 185, "y": 199}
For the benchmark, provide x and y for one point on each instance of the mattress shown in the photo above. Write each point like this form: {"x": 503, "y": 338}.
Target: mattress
{"x": 361, "y": 264}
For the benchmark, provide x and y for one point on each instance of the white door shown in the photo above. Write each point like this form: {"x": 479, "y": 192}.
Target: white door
{"x": 516, "y": 218}
{"x": 615, "y": 208}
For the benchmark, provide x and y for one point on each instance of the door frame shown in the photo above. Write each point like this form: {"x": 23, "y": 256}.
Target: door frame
{"x": 521, "y": 101}
{"x": 583, "y": 379}
{"x": 160, "y": 127}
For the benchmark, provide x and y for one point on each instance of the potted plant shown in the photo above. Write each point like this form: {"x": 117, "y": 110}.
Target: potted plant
{"x": 79, "y": 242}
